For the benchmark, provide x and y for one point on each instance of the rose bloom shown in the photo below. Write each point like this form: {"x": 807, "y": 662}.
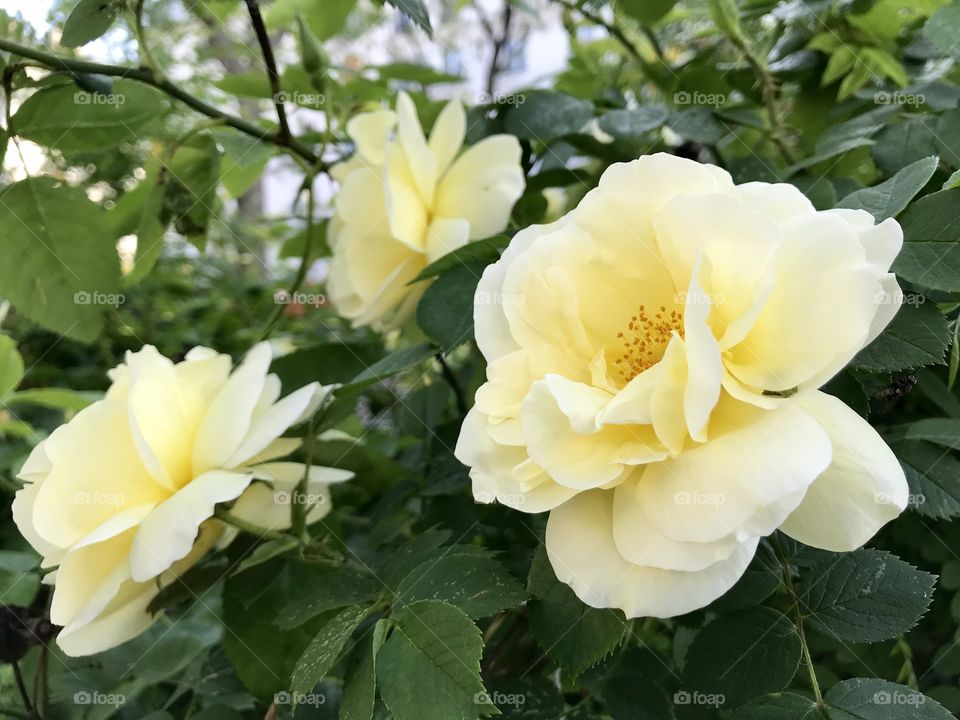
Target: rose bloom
{"x": 121, "y": 498}
{"x": 405, "y": 201}
{"x": 654, "y": 359}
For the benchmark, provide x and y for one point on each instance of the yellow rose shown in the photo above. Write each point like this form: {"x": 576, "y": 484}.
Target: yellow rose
{"x": 405, "y": 201}
{"x": 654, "y": 359}
{"x": 121, "y": 498}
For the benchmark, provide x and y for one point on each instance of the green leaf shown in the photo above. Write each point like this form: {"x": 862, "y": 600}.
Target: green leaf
{"x": 940, "y": 431}
{"x": 574, "y": 634}
{"x": 429, "y": 667}
{"x": 698, "y": 124}
{"x": 19, "y": 579}
{"x": 416, "y": 10}
{"x": 918, "y": 335}
{"x": 60, "y": 264}
{"x": 325, "y": 648}
{"x": 73, "y": 120}
{"x": 54, "y": 397}
{"x": 779, "y": 706}
{"x": 360, "y": 682}
{"x": 326, "y": 591}
{"x": 633, "y": 125}
{"x": 943, "y": 28}
{"x": 741, "y": 656}
{"x": 864, "y": 596}
{"x": 932, "y": 475}
{"x": 263, "y": 655}
{"x": 325, "y": 19}
{"x": 931, "y": 230}
{"x": 191, "y": 188}
{"x": 544, "y": 115}
{"x": 629, "y": 697}
{"x": 191, "y": 585}
{"x": 11, "y": 366}
{"x": 890, "y": 197}
{"x": 872, "y": 699}
{"x": 395, "y": 362}
{"x": 478, "y": 585}
{"x": 477, "y": 253}
{"x": 244, "y": 159}
{"x": 646, "y": 11}
{"x": 726, "y": 15}
{"x": 410, "y": 72}
{"x": 89, "y": 20}
{"x": 761, "y": 579}
{"x": 905, "y": 142}
{"x": 445, "y": 312}
{"x": 267, "y": 551}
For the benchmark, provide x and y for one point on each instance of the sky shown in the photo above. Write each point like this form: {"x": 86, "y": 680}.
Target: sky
{"x": 33, "y": 11}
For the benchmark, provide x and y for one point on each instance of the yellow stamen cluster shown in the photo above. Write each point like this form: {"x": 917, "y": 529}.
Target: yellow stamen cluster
{"x": 645, "y": 340}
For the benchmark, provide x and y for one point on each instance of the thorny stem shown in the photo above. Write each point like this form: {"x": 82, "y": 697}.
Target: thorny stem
{"x": 807, "y": 660}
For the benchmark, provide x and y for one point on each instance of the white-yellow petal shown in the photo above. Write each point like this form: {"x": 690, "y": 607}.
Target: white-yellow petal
{"x": 863, "y": 488}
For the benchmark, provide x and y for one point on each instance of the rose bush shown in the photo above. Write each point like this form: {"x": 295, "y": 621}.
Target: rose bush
{"x": 405, "y": 201}
{"x": 654, "y": 359}
{"x": 120, "y": 500}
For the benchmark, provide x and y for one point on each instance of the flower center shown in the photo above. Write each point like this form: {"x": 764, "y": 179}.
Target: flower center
{"x": 645, "y": 340}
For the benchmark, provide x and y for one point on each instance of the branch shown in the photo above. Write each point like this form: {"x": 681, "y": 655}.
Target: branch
{"x": 618, "y": 34}
{"x": 266, "y": 48}
{"x": 148, "y": 77}
{"x": 770, "y": 93}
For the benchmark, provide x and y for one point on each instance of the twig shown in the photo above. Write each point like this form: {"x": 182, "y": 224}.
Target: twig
{"x": 22, "y": 687}
{"x": 770, "y": 93}
{"x": 454, "y": 384}
{"x": 807, "y": 659}
{"x": 304, "y": 259}
{"x": 620, "y": 36}
{"x": 149, "y": 77}
{"x": 266, "y": 48}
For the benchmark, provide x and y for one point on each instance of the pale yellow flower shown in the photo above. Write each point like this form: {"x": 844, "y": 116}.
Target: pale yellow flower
{"x": 121, "y": 498}
{"x": 405, "y": 201}
{"x": 654, "y": 359}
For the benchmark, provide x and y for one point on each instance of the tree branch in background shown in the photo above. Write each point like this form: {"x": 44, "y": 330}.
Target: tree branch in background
{"x": 148, "y": 77}
{"x": 266, "y": 48}
{"x": 497, "y": 39}
{"x": 620, "y": 36}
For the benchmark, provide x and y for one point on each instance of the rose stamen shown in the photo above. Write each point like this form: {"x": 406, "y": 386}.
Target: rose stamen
{"x": 645, "y": 339}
